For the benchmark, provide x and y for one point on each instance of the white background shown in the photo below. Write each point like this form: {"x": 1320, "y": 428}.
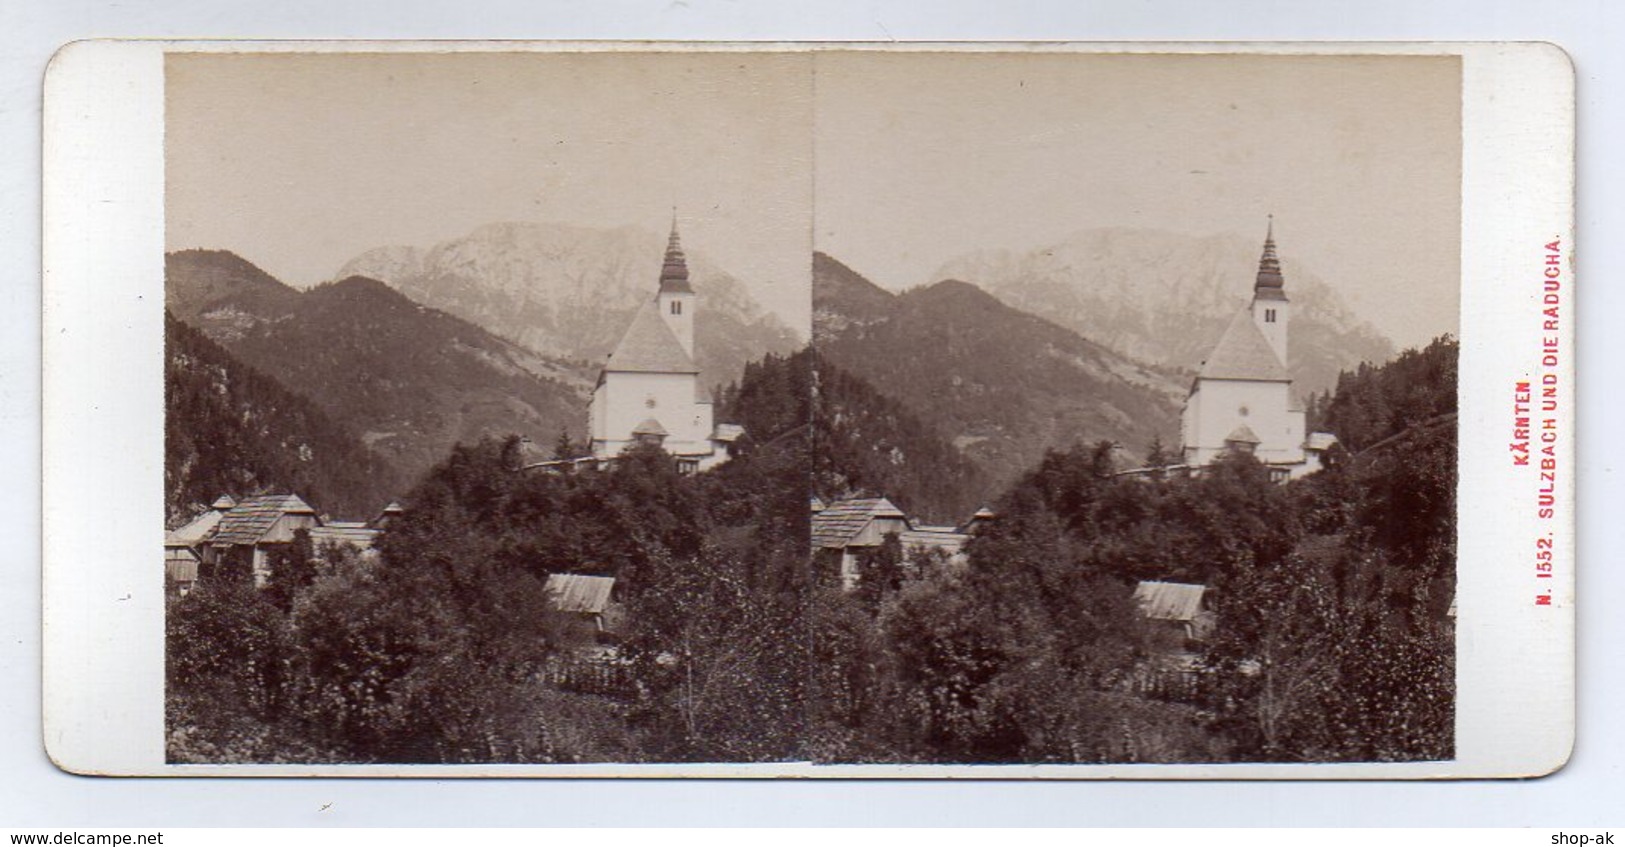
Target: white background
{"x": 33, "y": 793}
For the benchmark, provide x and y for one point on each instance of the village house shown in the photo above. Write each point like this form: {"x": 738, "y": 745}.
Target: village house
{"x": 1180, "y": 610}
{"x": 587, "y": 601}
{"x": 1178, "y": 606}
{"x": 184, "y": 546}
{"x": 846, "y": 529}
{"x": 244, "y": 535}
{"x": 250, "y": 530}
{"x": 357, "y": 537}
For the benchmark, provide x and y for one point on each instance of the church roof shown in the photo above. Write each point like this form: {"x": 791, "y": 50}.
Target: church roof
{"x": 1243, "y": 435}
{"x": 650, "y": 426}
{"x": 650, "y": 346}
{"x": 1243, "y": 354}
{"x": 1269, "y": 285}
{"x": 674, "y": 269}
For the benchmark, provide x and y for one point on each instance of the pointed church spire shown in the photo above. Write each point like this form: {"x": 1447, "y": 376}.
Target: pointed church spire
{"x": 674, "y": 271}
{"x": 1269, "y": 285}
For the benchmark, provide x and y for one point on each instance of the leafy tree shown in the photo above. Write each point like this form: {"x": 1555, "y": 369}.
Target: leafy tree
{"x": 293, "y": 568}
{"x": 724, "y": 662}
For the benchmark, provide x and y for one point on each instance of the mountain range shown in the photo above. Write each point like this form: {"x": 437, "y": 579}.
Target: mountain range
{"x": 570, "y": 291}
{"x": 1164, "y": 298}
{"x": 999, "y": 384}
{"x": 410, "y": 381}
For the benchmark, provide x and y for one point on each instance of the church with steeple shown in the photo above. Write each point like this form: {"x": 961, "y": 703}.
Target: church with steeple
{"x": 649, "y": 390}
{"x": 1242, "y": 398}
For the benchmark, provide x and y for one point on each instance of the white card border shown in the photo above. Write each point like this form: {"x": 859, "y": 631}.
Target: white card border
{"x": 102, "y": 417}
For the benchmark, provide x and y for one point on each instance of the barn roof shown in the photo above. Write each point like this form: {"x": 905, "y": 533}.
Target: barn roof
{"x": 1170, "y": 601}
{"x": 843, "y": 519}
{"x": 649, "y": 346}
{"x": 358, "y": 536}
{"x": 1244, "y": 354}
{"x": 944, "y": 538}
{"x": 578, "y": 593}
{"x": 248, "y": 521}
{"x": 194, "y": 532}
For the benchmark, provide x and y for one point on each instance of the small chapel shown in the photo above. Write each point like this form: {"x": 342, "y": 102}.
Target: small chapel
{"x": 650, "y": 390}
{"x": 1242, "y": 398}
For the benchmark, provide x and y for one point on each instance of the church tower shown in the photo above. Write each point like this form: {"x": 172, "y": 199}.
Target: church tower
{"x": 1270, "y": 308}
{"x": 676, "y": 297}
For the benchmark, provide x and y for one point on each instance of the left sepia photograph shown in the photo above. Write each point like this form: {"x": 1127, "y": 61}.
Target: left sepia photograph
{"x": 486, "y": 407}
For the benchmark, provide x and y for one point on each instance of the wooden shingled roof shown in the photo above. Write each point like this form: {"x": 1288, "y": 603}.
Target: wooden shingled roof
{"x": 649, "y": 346}
{"x": 1170, "y": 601}
{"x": 248, "y": 521}
{"x": 944, "y": 538}
{"x": 359, "y": 537}
{"x": 194, "y": 532}
{"x": 580, "y": 594}
{"x": 836, "y": 525}
{"x": 1244, "y": 354}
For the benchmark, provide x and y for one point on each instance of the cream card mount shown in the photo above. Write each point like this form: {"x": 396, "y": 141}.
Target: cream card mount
{"x": 1291, "y": 326}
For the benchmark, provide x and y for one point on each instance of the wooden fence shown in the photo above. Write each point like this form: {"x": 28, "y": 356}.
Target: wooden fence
{"x": 590, "y": 675}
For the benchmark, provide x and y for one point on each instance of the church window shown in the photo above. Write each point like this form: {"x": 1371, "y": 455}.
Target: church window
{"x": 677, "y": 307}
{"x": 1243, "y": 411}
{"x": 650, "y": 401}
{"x": 1269, "y": 316}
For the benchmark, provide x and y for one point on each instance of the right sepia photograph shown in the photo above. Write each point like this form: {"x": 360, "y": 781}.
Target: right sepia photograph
{"x": 1135, "y": 426}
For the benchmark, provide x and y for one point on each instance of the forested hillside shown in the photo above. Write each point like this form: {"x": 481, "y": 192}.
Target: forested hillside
{"x": 229, "y": 429}
{"x": 410, "y": 381}
{"x": 1000, "y": 385}
{"x": 864, "y": 445}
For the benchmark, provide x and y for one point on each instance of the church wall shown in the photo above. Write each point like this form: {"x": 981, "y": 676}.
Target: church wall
{"x": 1214, "y": 411}
{"x": 622, "y": 403}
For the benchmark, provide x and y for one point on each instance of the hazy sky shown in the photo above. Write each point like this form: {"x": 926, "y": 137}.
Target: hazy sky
{"x": 921, "y": 157}
{"x": 298, "y": 162}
